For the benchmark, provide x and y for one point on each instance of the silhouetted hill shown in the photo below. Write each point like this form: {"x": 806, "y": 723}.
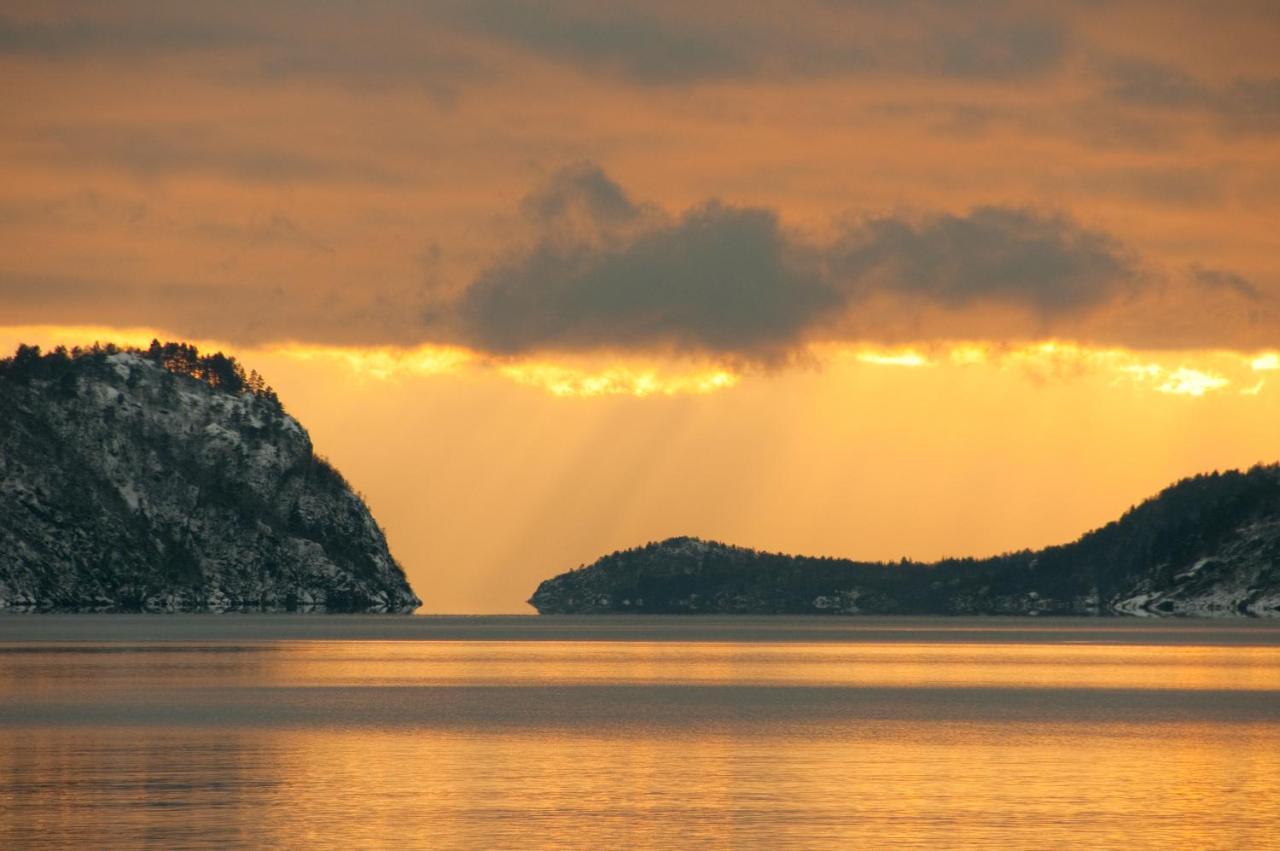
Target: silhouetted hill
{"x": 1208, "y": 545}
{"x": 163, "y": 480}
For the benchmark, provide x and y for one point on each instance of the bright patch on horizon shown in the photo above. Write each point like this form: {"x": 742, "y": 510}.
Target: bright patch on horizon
{"x": 1181, "y": 381}
{"x": 1266, "y": 362}
{"x": 616, "y": 381}
{"x": 906, "y": 358}
{"x": 558, "y": 379}
{"x": 386, "y": 362}
{"x": 1192, "y": 382}
{"x": 1192, "y": 374}
{"x": 967, "y": 354}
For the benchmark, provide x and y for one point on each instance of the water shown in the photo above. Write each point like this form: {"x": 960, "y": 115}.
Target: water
{"x": 216, "y": 731}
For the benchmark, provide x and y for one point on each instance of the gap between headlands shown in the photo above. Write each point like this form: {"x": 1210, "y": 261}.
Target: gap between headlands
{"x": 164, "y": 480}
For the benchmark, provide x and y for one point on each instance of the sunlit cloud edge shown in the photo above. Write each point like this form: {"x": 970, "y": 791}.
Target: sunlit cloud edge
{"x": 1194, "y": 374}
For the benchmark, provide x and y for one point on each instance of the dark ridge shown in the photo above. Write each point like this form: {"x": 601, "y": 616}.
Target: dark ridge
{"x": 1207, "y": 545}
{"x": 219, "y": 371}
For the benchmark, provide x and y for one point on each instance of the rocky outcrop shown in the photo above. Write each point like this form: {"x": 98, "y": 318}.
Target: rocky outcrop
{"x": 163, "y": 481}
{"x": 1208, "y": 546}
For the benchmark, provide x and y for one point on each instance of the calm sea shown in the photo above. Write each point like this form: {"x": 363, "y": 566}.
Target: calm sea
{"x": 355, "y": 732}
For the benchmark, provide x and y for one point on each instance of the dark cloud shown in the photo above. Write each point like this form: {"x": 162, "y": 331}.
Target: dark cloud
{"x": 1188, "y": 187}
{"x": 677, "y": 46}
{"x": 194, "y": 148}
{"x": 1224, "y": 280}
{"x": 1246, "y": 104}
{"x": 1153, "y": 84}
{"x": 361, "y": 45}
{"x": 581, "y": 190}
{"x": 445, "y": 44}
{"x": 1046, "y": 263}
{"x": 635, "y": 43}
{"x": 1254, "y": 104}
{"x": 605, "y": 272}
{"x": 144, "y": 34}
{"x": 1002, "y": 49}
{"x": 719, "y": 279}
{"x": 383, "y": 41}
{"x": 731, "y": 281}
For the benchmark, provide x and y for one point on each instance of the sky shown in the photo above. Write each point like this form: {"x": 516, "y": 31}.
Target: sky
{"x": 547, "y": 280}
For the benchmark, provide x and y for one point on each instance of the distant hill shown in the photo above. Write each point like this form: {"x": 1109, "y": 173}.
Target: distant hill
{"x": 164, "y": 480}
{"x": 1206, "y": 546}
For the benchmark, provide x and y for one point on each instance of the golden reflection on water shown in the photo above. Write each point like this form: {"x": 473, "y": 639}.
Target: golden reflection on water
{"x": 909, "y": 785}
{"x": 392, "y": 663}
{"x": 867, "y": 665}
{"x": 634, "y": 744}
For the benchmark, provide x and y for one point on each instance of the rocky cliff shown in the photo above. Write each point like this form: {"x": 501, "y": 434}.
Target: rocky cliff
{"x": 160, "y": 480}
{"x": 1207, "y": 546}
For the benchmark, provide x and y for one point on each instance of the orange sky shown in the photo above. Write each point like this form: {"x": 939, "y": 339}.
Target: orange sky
{"x": 549, "y": 280}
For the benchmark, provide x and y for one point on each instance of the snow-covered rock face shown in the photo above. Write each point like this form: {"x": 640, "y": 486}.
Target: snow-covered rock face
{"x": 124, "y": 486}
{"x": 1239, "y": 579}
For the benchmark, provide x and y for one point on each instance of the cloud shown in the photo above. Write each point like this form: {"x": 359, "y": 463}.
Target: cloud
{"x": 675, "y": 44}
{"x": 1003, "y": 48}
{"x": 1196, "y": 186}
{"x": 195, "y": 148}
{"x": 636, "y": 44}
{"x": 1153, "y": 84}
{"x": 581, "y": 193}
{"x": 361, "y": 45}
{"x": 1223, "y": 279}
{"x": 381, "y": 42}
{"x": 731, "y": 281}
{"x": 601, "y": 271}
{"x": 71, "y": 35}
{"x": 718, "y": 279}
{"x": 1046, "y": 263}
{"x": 1245, "y": 104}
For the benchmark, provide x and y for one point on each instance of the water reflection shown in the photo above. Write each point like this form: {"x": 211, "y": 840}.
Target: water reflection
{"x": 614, "y": 744}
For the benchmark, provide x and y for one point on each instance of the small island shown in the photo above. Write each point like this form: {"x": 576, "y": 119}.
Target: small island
{"x": 1208, "y": 546}
{"x": 163, "y": 480}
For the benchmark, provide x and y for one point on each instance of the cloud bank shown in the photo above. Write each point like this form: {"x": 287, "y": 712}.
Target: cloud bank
{"x": 333, "y": 173}
{"x": 605, "y": 272}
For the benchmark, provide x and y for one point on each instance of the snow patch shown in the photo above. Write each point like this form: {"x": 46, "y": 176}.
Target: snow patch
{"x": 218, "y": 432}
{"x": 130, "y": 495}
{"x": 1194, "y": 569}
{"x": 122, "y": 363}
